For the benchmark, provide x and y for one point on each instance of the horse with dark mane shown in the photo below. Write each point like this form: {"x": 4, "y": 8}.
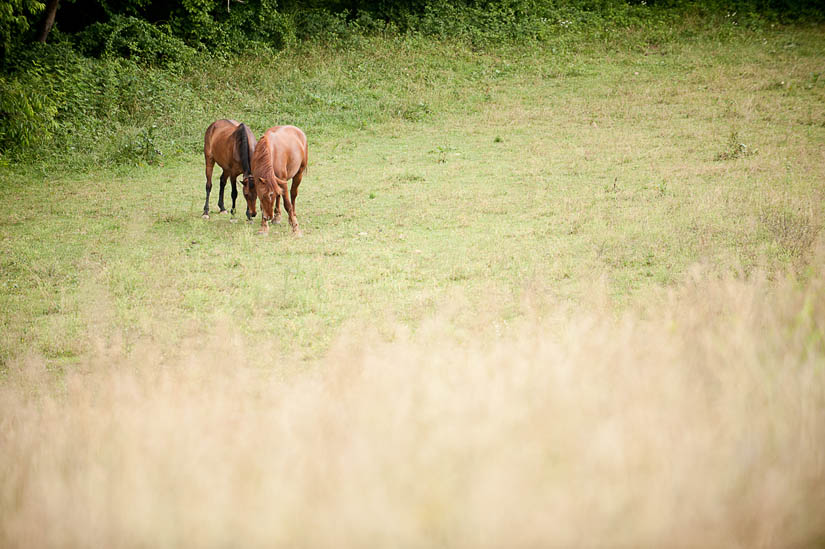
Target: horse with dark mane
{"x": 230, "y": 144}
{"x": 281, "y": 154}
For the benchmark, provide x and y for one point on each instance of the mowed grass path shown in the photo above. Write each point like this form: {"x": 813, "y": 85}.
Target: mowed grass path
{"x": 547, "y": 175}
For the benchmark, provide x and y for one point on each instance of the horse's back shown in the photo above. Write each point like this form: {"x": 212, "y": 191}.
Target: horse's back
{"x": 225, "y": 123}
{"x": 219, "y": 142}
{"x": 220, "y": 127}
{"x": 289, "y": 140}
{"x": 218, "y": 132}
{"x": 288, "y": 132}
{"x": 284, "y": 149}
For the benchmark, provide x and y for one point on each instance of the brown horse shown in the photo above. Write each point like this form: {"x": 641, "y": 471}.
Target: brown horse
{"x": 281, "y": 154}
{"x": 230, "y": 144}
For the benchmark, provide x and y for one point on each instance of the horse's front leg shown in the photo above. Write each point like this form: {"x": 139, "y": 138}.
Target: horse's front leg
{"x": 277, "y": 218}
{"x": 221, "y": 207}
{"x": 290, "y": 210}
{"x": 296, "y": 182}
{"x": 234, "y": 194}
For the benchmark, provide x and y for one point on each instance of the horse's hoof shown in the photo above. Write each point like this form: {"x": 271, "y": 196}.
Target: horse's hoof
{"x": 233, "y": 220}
{"x": 263, "y": 232}
{"x": 205, "y": 216}
{"x": 298, "y": 233}
{"x": 277, "y": 220}
{"x": 223, "y": 212}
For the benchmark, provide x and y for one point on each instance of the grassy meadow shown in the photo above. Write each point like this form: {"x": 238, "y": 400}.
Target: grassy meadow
{"x": 562, "y": 294}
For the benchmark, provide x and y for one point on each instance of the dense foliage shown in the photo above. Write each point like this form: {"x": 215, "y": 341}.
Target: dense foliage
{"x": 111, "y": 72}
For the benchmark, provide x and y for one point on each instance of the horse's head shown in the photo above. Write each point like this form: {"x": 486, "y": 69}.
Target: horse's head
{"x": 250, "y": 195}
{"x": 268, "y": 190}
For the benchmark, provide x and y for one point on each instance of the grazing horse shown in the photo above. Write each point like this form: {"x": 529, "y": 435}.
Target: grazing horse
{"x": 230, "y": 144}
{"x": 281, "y": 154}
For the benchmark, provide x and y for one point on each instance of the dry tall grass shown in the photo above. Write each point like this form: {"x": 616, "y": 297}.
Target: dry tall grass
{"x": 696, "y": 420}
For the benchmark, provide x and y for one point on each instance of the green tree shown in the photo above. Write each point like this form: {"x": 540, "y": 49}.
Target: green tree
{"x": 16, "y": 18}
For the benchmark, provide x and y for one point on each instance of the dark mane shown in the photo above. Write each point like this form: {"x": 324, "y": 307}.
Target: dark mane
{"x": 243, "y": 145}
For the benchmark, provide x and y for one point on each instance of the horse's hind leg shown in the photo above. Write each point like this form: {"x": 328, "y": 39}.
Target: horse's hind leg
{"x": 210, "y": 164}
{"x": 220, "y": 195}
{"x": 234, "y": 194}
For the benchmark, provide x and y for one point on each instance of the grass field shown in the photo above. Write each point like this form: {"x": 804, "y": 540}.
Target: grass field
{"x": 542, "y": 298}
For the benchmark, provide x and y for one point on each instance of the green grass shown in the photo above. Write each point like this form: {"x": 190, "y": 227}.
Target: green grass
{"x": 437, "y": 175}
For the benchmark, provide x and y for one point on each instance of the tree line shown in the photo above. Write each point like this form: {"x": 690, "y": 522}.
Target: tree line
{"x": 216, "y": 24}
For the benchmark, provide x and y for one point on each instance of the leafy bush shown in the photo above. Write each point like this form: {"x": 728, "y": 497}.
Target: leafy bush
{"x": 269, "y": 27}
{"x": 322, "y": 25}
{"x": 132, "y": 38}
{"x": 251, "y": 24}
{"x": 31, "y": 95}
{"x": 16, "y": 17}
{"x": 27, "y": 113}
{"x": 484, "y": 23}
{"x": 62, "y": 102}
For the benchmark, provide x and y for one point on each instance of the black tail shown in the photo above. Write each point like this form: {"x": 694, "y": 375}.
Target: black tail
{"x": 243, "y": 143}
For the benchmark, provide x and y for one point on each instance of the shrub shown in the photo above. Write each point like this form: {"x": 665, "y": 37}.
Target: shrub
{"x": 249, "y": 24}
{"x": 57, "y": 100}
{"x": 132, "y": 38}
{"x": 16, "y": 17}
{"x": 27, "y": 113}
{"x": 322, "y": 25}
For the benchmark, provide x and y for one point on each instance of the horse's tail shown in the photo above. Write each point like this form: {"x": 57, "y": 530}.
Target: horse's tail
{"x": 243, "y": 144}
{"x": 306, "y": 155}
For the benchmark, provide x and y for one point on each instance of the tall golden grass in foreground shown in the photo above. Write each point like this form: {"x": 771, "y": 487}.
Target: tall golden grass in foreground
{"x": 696, "y": 420}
